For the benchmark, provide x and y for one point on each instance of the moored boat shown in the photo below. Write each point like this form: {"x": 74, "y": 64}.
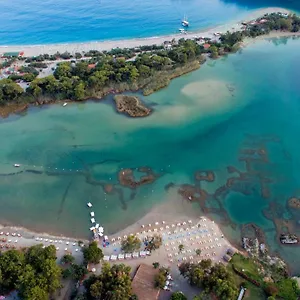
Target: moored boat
{"x": 185, "y": 22}
{"x": 289, "y": 239}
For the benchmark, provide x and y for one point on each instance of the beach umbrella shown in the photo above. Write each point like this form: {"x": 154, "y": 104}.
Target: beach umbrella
{"x": 93, "y": 270}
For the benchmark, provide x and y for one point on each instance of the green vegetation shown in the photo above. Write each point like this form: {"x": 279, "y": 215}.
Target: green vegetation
{"x": 214, "y": 279}
{"x": 178, "y": 296}
{"x": 160, "y": 278}
{"x": 9, "y": 91}
{"x": 154, "y": 242}
{"x": 67, "y": 259}
{"x": 92, "y": 254}
{"x": 247, "y": 266}
{"x": 75, "y": 272}
{"x": 131, "y": 243}
{"x": 33, "y": 272}
{"x": 278, "y": 284}
{"x": 156, "y": 265}
{"x": 113, "y": 283}
{"x": 180, "y": 248}
{"x": 146, "y": 68}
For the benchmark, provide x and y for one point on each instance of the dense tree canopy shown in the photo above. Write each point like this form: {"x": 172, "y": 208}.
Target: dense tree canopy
{"x": 34, "y": 272}
{"x": 131, "y": 243}
{"x": 92, "y": 254}
{"x": 154, "y": 242}
{"x": 211, "y": 278}
{"x": 113, "y": 283}
{"x": 9, "y": 91}
{"x": 178, "y": 296}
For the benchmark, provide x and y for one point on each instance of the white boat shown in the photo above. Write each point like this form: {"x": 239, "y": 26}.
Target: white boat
{"x": 89, "y": 204}
{"x": 92, "y": 220}
{"x": 92, "y": 214}
{"x": 17, "y": 165}
{"x": 181, "y": 30}
{"x": 185, "y": 22}
{"x": 65, "y": 104}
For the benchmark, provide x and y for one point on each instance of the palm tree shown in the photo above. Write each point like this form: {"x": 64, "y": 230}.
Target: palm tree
{"x": 198, "y": 252}
{"x": 180, "y": 247}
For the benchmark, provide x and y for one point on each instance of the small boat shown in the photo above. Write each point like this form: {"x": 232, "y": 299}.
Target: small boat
{"x": 92, "y": 220}
{"x": 65, "y": 104}
{"x": 289, "y": 239}
{"x": 17, "y": 165}
{"x": 181, "y": 30}
{"x": 92, "y": 214}
{"x": 89, "y": 204}
{"x": 185, "y": 22}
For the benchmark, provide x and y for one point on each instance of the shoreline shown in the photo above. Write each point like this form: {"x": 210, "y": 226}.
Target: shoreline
{"x": 35, "y": 50}
{"x": 172, "y": 211}
{"x": 19, "y": 108}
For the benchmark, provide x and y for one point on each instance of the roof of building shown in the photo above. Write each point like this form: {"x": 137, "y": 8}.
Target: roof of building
{"x": 143, "y": 283}
{"x": 12, "y": 54}
{"x": 91, "y": 66}
{"x": 206, "y": 46}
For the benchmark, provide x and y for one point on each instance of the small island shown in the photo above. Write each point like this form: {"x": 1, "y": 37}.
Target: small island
{"x": 131, "y": 105}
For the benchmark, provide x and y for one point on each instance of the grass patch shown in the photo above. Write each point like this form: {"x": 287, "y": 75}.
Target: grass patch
{"x": 288, "y": 289}
{"x": 248, "y": 266}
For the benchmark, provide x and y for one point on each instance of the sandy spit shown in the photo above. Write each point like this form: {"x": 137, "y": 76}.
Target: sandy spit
{"x": 34, "y": 50}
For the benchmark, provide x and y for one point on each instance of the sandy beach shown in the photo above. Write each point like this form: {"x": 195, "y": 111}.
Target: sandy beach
{"x": 34, "y": 50}
{"x": 170, "y": 219}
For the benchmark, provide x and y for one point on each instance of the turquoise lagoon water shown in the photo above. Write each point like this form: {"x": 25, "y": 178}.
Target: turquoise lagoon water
{"x": 202, "y": 121}
{"x": 50, "y": 21}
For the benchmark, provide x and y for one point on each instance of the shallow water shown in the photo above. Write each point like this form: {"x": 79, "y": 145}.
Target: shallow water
{"x": 43, "y": 22}
{"x": 202, "y": 121}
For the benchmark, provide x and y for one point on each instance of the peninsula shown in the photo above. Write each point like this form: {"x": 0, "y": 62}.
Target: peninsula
{"x": 55, "y": 77}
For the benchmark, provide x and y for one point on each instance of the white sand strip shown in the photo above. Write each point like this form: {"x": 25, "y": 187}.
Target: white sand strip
{"x": 34, "y": 50}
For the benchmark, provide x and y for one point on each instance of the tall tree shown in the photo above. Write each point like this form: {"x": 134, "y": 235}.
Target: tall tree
{"x": 92, "y": 254}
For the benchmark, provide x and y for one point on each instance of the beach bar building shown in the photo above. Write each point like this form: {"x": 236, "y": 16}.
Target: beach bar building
{"x": 12, "y": 54}
{"x": 143, "y": 283}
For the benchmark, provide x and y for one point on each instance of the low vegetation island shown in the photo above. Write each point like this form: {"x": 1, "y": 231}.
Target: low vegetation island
{"x": 131, "y": 105}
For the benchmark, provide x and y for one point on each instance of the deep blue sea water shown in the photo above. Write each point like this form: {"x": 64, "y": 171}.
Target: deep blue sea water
{"x": 50, "y": 21}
